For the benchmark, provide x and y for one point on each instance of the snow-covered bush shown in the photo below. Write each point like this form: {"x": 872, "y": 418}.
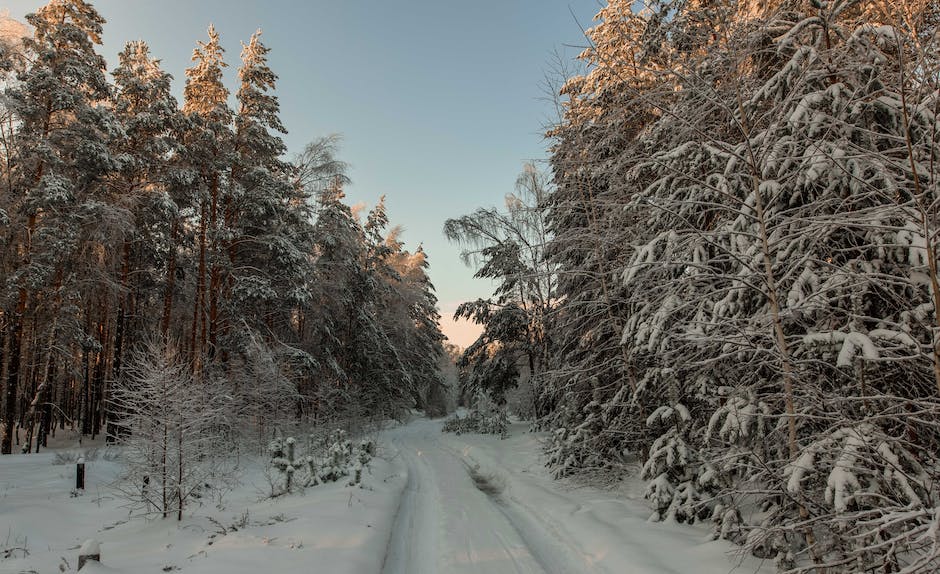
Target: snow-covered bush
{"x": 284, "y": 461}
{"x": 490, "y": 421}
{"x": 672, "y": 467}
{"x": 73, "y": 456}
{"x": 266, "y": 392}
{"x": 176, "y": 433}
{"x": 329, "y": 459}
{"x": 569, "y": 450}
{"x": 587, "y": 444}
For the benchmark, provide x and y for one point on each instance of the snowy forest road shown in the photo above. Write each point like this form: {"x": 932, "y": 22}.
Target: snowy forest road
{"x": 475, "y": 504}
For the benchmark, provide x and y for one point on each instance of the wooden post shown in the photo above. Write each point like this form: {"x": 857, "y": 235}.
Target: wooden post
{"x": 80, "y": 474}
{"x": 90, "y": 550}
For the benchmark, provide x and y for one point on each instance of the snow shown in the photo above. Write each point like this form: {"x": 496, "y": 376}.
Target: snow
{"x": 663, "y": 413}
{"x": 90, "y": 547}
{"x": 898, "y": 337}
{"x": 432, "y": 502}
{"x": 852, "y": 344}
{"x": 532, "y": 523}
{"x": 331, "y": 528}
{"x": 842, "y": 482}
{"x": 797, "y": 471}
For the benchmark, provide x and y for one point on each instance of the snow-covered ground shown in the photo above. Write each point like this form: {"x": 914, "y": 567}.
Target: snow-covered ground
{"x": 526, "y": 522}
{"x": 435, "y": 503}
{"x": 330, "y": 528}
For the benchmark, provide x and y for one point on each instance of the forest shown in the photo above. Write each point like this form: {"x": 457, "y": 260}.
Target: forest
{"x": 135, "y": 230}
{"x": 721, "y": 285}
{"x": 727, "y": 274}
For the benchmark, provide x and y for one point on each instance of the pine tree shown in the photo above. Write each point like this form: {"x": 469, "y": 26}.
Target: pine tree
{"x": 129, "y": 227}
{"x": 338, "y": 256}
{"x": 61, "y": 159}
{"x": 383, "y": 384}
{"x": 149, "y": 114}
{"x": 269, "y": 250}
{"x": 209, "y": 148}
{"x": 411, "y": 318}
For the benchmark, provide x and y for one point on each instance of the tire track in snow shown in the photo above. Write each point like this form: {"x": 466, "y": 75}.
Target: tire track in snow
{"x": 552, "y": 551}
{"x": 532, "y": 526}
{"x": 403, "y": 554}
{"x": 446, "y": 523}
{"x": 542, "y": 548}
{"x": 643, "y": 557}
{"x": 475, "y": 535}
{"x": 556, "y": 554}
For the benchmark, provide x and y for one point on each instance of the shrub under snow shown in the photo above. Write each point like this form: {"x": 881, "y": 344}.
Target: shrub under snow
{"x": 328, "y": 460}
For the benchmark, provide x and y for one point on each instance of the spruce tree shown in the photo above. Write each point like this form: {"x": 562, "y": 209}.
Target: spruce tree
{"x": 766, "y": 232}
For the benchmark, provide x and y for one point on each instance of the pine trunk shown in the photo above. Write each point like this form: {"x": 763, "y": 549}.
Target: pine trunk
{"x": 121, "y": 328}
{"x": 216, "y": 272}
{"x": 43, "y": 384}
{"x": 170, "y": 282}
{"x": 5, "y": 370}
{"x": 14, "y": 345}
{"x": 197, "y": 335}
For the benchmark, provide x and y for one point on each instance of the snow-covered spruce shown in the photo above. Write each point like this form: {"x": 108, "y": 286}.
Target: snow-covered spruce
{"x": 746, "y": 225}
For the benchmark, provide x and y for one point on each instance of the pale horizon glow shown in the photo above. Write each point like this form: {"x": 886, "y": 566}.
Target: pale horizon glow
{"x": 461, "y": 333}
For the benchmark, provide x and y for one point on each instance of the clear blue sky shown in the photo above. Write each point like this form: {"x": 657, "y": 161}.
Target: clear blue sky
{"x": 439, "y": 101}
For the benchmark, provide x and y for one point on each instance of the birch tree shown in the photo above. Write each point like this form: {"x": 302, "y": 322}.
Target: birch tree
{"x": 507, "y": 246}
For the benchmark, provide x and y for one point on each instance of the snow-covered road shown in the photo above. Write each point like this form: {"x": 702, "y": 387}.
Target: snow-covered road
{"x": 420, "y": 510}
{"x": 525, "y": 522}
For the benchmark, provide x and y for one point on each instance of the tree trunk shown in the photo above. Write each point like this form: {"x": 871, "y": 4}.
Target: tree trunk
{"x": 13, "y": 372}
{"x": 107, "y": 363}
{"x": 198, "y": 334}
{"x": 120, "y": 330}
{"x": 85, "y": 400}
{"x": 43, "y": 383}
{"x": 5, "y": 371}
{"x": 180, "y": 467}
{"x": 215, "y": 274}
{"x": 170, "y": 282}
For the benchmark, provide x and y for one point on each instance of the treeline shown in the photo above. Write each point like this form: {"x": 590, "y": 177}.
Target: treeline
{"x": 129, "y": 222}
{"x": 743, "y": 229}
